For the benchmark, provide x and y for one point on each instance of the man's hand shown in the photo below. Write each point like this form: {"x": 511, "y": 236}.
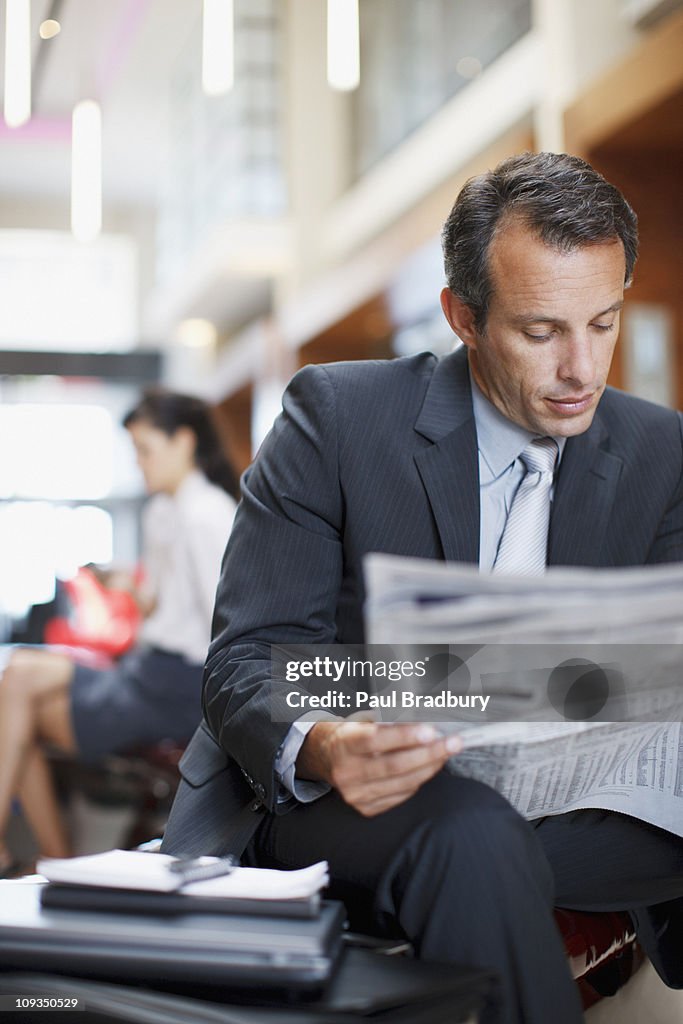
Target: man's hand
{"x": 374, "y": 767}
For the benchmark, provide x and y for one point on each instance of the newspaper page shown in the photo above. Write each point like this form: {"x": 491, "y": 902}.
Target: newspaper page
{"x": 522, "y": 642}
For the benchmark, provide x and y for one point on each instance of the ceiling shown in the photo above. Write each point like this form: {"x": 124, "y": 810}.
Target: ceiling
{"x": 121, "y": 53}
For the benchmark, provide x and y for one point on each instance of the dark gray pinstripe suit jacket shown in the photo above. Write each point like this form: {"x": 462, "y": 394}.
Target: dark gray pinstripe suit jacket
{"x": 382, "y": 456}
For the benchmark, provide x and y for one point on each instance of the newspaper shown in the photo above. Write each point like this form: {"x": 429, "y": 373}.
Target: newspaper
{"x": 625, "y": 755}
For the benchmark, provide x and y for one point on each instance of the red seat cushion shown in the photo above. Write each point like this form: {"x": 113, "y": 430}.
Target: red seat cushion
{"x": 590, "y": 939}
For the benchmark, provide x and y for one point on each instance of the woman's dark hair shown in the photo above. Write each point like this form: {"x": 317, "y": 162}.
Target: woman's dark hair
{"x": 167, "y": 411}
{"x": 561, "y": 198}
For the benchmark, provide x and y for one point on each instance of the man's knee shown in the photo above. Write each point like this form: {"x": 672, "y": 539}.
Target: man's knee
{"x": 466, "y": 826}
{"x": 465, "y": 852}
{"x": 452, "y": 803}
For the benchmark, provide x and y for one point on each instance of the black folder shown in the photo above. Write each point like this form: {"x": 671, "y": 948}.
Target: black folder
{"x": 58, "y": 896}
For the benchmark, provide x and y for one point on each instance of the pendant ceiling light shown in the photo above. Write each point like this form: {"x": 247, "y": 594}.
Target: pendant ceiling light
{"x": 343, "y": 44}
{"x": 86, "y": 171}
{"x": 17, "y": 62}
{"x": 49, "y": 28}
{"x": 218, "y": 47}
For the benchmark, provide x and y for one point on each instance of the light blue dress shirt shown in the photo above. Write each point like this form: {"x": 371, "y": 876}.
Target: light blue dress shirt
{"x": 501, "y": 471}
{"x": 500, "y": 443}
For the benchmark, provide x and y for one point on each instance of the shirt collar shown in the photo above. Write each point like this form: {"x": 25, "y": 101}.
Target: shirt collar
{"x": 499, "y": 440}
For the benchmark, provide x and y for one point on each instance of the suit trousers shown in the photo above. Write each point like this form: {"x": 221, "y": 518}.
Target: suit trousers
{"x": 466, "y": 879}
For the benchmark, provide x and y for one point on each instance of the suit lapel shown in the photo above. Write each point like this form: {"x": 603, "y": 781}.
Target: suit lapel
{"x": 449, "y": 468}
{"x": 584, "y": 497}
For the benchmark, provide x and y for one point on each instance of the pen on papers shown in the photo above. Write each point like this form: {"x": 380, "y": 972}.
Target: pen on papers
{"x": 195, "y": 869}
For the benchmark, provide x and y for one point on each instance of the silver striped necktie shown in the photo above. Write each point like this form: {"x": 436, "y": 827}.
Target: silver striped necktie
{"x": 523, "y": 546}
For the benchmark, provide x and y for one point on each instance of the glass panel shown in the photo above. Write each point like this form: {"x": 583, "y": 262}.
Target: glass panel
{"x": 225, "y": 151}
{"x": 58, "y": 451}
{"x": 70, "y": 491}
{"x": 416, "y": 56}
{"x": 57, "y": 294}
{"x": 40, "y": 542}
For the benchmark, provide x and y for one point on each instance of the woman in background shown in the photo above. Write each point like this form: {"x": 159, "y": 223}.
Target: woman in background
{"x": 153, "y": 693}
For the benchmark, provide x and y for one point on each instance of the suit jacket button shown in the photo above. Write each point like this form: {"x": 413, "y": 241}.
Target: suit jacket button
{"x": 255, "y": 805}
{"x": 260, "y": 791}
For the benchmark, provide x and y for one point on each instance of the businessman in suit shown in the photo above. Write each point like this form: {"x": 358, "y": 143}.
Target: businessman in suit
{"x": 429, "y": 458}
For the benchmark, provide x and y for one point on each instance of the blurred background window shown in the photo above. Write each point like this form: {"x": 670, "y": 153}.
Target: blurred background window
{"x": 56, "y": 294}
{"x": 57, "y": 451}
{"x": 69, "y": 486}
{"x": 416, "y": 56}
{"x": 40, "y": 542}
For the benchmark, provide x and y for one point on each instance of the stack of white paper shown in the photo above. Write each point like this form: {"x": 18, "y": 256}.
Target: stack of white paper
{"x": 132, "y": 869}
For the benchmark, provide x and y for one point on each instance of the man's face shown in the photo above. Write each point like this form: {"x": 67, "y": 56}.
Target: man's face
{"x": 552, "y": 326}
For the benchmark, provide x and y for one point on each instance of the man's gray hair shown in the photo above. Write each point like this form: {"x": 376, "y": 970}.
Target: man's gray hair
{"x": 561, "y": 198}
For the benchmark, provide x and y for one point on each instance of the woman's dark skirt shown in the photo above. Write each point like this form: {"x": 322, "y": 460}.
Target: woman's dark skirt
{"x": 148, "y": 696}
